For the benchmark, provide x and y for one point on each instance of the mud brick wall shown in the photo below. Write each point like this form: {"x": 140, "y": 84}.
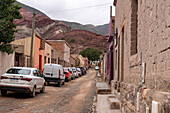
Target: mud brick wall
{"x": 146, "y": 34}
{"x": 128, "y": 98}
{"x": 153, "y": 41}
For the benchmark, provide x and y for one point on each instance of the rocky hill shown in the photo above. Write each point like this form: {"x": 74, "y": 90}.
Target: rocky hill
{"x": 102, "y": 29}
{"x": 81, "y": 39}
{"x": 47, "y": 29}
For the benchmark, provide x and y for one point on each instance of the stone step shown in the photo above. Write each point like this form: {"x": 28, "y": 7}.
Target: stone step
{"x": 110, "y": 96}
{"x": 103, "y": 91}
{"x": 102, "y": 105}
{"x": 114, "y": 103}
{"x": 102, "y": 88}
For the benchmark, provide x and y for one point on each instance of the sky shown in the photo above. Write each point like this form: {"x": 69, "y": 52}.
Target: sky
{"x": 95, "y": 12}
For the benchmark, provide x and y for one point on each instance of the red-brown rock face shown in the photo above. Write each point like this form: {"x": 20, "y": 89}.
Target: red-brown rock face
{"x": 49, "y": 29}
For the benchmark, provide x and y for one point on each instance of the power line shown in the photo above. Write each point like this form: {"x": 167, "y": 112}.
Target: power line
{"x": 80, "y": 8}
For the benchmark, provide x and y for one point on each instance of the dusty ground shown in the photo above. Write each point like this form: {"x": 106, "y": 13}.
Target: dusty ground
{"x": 75, "y": 96}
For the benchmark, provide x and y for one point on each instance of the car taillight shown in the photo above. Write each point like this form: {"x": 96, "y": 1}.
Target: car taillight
{"x": 27, "y": 79}
{"x": 2, "y": 77}
{"x": 59, "y": 74}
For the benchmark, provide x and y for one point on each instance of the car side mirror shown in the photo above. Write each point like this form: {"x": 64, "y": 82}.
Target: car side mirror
{"x": 41, "y": 75}
{"x": 35, "y": 73}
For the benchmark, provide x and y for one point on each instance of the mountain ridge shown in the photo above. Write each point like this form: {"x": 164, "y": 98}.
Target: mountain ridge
{"x": 73, "y": 25}
{"x": 49, "y": 29}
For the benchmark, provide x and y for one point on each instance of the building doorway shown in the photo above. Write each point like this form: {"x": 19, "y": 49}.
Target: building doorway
{"x": 40, "y": 62}
{"x": 17, "y": 60}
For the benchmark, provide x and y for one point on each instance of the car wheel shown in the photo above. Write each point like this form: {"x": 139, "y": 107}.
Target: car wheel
{"x": 47, "y": 83}
{"x": 67, "y": 80}
{"x": 63, "y": 83}
{"x": 43, "y": 89}
{"x": 3, "y": 92}
{"x": 32, "y": 94}
{"x": 59, "y": 84}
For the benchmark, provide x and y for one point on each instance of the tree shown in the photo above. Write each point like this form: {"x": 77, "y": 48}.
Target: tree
{"x": 91, "y": 53}
{"x": 8, "y": 13}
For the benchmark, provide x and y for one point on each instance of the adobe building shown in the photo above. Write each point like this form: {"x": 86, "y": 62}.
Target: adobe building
{"x": 22, "y": 48}
{"x": 77, "y": 60}
{"x": 72, "y": 61}
{"x": 64, "y": 47}
{"x": 56, "y": 56}
{"x": 111, "y": 49}
{"x": 86, "y": 63}
{"x": 82, "y": 62}
{"x": 48, "y": 53}
{"x": 103, "y": 68}
{"x": 141, "y": 76}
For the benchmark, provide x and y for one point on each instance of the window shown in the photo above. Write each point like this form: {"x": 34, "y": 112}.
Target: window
{"x": 45, "y": 59}
{"x": 116, "y": 60}
{"x": 122, "y": 55}
{"x": 28, "y": 62}
{"x": 19, "y": 71}
{"x": 134, "y": 27}
{"x": 48, "y": 60}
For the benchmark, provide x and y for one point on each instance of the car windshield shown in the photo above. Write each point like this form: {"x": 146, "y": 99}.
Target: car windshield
{"x": 65, "y": 69}
{"x": 19, "y": 71}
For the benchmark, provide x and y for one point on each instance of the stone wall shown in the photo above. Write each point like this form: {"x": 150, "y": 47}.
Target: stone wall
{"x": 127, "y": 94}
{"x": 143, "y": 37}
{"x": 153, "y": 42}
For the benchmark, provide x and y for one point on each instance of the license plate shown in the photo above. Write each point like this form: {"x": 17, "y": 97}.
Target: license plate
{"x": 14, "y": 80}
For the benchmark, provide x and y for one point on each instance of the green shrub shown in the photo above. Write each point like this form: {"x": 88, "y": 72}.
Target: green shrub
{"x": 72, "y": 40}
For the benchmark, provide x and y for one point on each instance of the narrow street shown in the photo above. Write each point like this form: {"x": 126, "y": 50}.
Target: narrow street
{"x": 75, "y": 96}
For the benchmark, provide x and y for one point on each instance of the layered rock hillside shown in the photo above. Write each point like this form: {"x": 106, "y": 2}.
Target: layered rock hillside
{"x": 81, "y": 39}
{"x": 47, "y": 29}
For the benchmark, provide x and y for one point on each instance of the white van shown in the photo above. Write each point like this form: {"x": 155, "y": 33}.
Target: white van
{"x": 54, "y": 73}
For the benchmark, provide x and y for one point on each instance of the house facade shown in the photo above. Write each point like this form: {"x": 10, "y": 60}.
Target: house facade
{"x": 142, "y": 56}
{"x": 48, "y": 53}
{"x": 82, "y": 63}
{"x": 64, "y": 47}
{"x": 75, "y": 56}
{"x": 22, "y": 48}
{"x": 110, "y": 54}
{"x": 86, "y": 63}
{"x": 72, "y": 61}
{"x": 103, "y": 68}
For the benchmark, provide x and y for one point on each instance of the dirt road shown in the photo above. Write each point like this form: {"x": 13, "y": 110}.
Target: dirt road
{"x": 75, "y": 96}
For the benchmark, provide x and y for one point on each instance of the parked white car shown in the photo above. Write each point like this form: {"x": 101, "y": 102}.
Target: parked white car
{"x": 54, "y": 73}
{"x": 73, "y": 76}
{"x": 79, "y": 72}
{"x": 75, "y": 72}
{"x": 22, "y": 79}
{"x": 97, "y": 68}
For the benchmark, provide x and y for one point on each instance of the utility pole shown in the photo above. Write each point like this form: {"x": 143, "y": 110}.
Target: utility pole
{"x": 110, "y": 11}
{"x": 32, "y": 39}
